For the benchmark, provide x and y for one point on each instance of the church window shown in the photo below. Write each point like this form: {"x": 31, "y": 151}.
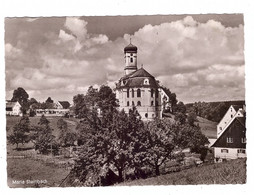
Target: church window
{"x": 139, "y": 103}
{"x": 146, "y": 115}
{"x": 131, "y": 54}
{"x": 133, "y": 103}
{"x": 151, "y": 92}
{"x": 132, "y": 91}
{"x": 128, "y": 93}
{"x": 151, "y": 103}
{"x": 131, "y": 59}
{"x": 138, "y": 93}
{"x": 146, "y": 81}
{"x": 128, "y": 103}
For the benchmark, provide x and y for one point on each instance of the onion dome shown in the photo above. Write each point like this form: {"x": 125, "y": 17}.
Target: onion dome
{"x": 130, "y": 48}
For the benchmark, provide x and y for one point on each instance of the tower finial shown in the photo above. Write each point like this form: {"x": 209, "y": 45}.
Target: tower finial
{"x": 141, "y": 65}
{"x": 130, "y": 39}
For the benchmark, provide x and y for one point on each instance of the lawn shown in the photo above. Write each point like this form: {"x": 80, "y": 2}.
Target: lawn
{"x": 231, "y": 172}
{"x": 208, "y": 128}
{"x": 29, "y": 169}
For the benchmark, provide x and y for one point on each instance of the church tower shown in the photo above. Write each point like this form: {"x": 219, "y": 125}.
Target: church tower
{"x": 130, "y": 55}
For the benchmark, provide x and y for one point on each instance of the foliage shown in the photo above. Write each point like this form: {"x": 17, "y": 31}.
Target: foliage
{"x": 213, "y": 111}
{"x": 21, "y": 96}
{"x": 20, "y": 132}
{"x": 191, "y": 118}
{"x": 115, "y": 145}
{"x": 180, "y": 117}
{"x": 43, "y": 138}
{"x": 160, "y": 143}
{"x": 66, "y": 137}
{"x": 49, "y": 100}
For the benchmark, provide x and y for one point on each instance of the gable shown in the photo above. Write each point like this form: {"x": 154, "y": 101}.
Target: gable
{"x": 236, "y": 130}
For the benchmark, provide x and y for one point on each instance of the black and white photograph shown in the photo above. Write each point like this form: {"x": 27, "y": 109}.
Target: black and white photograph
{"x": 125, "y": 100}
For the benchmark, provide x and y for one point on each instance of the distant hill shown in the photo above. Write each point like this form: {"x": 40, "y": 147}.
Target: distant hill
{"x": 208, "y": 128}
{"x": 213, "y": 111}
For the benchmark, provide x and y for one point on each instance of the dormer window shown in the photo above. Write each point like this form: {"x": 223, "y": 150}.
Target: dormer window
{"x": 146, "y": 82}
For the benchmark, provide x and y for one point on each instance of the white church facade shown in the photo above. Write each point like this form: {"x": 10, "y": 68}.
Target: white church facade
{"x": 140, "y": 89}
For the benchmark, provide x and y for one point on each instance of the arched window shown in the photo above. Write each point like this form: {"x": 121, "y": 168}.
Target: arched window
{"x": 138, "y": 93}
{"x": 138, "y": 103}
{"x": 132, "y": 91}
{"x": 128, "y": 103}
{"x": 151, "y": 103}
{"x": 151, "y": 92}
{"x": 146, "y": 115}
{"x": 131, "y": 59}
{"x": 132, "y": 103}
{"x": 128, "y": 93}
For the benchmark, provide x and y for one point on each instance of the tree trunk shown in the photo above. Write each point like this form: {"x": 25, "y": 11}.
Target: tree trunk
{"x": 120, "y": 174}
{"x": 157, "y": 170}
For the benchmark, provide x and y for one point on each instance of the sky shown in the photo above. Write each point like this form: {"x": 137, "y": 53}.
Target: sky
{"x": 198, "y": 57}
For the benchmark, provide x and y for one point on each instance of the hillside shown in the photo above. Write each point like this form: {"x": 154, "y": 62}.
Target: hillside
{"x": 208, "y": 128}
{"x": 231, "y": 172}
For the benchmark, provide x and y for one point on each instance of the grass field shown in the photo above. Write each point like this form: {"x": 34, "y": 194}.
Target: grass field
{"x": 208, "y": 128}
{"x": 29, "y": 169}
{"x": 231, "y": 172}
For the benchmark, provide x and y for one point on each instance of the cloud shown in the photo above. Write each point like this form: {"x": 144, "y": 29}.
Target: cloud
{"x": 198, "y": 61}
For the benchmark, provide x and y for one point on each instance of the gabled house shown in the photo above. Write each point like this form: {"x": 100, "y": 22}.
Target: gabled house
{"x": 13, "y": 108}
{"x": 231, "y": 141}
{"x": 233, "y": 111}
{"x": 62, "y": 105}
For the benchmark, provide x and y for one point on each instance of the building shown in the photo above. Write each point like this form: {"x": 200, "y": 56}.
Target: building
{"x": 231, "y": 135}
{"x": 140, "y": 89}
{"x": 13, "y": 108}
{"x": 62, "y": 108}
{"x": 233, "y": 111}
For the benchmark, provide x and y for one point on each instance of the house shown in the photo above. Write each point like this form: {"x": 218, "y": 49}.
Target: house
{"x": 62, "y": 108}
{"x": 13, "y": 108}
{"x": 233, "y": 111}
{"x": 231, "y": 140}
{"x": 140, "y": 89}
{"x": 62, "y": 105}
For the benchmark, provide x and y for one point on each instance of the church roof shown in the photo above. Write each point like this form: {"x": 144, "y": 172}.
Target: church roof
{"x": 136, "y": 79}
{"x": 130, "y": 47}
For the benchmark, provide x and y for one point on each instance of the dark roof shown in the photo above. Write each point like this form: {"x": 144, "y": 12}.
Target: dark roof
{"x": 242, "y": 122}
{"x": 237, "y": 107}
{"x": 130, "y": 47}
{"x": 10, "y": 104}
{"x": 65, "y": 104}
{"x": 136, "y": 79}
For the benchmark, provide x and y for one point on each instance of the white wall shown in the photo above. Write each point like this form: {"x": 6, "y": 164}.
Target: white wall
{"x": 232, "y": 153}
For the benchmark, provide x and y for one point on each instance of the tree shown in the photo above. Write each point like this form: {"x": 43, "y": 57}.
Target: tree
{"x": 43, "y": 138}
{"x": 21, "y": 96}
{"x": 191, "y": 118}
{"x": 173, "y": 101}
{"x": 180, "y": 107}
{"x": 180, "y": 117}
{"x": 49, "y": 100}
{"x": 20, "y": 132}
{"x": 160, "y": 143}
{"x": 66, "y": 137}
{"x": 115, "y": 145}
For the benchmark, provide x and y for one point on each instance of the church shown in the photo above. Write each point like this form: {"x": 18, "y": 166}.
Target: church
{"x": 138, "y": 88}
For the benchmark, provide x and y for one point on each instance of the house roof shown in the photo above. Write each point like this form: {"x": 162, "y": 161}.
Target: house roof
{"x": 65, "y": 104}
{"x": 237, "y": 107}
{"x": 10, "y": 104}
{"x": 242, "y": 122}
